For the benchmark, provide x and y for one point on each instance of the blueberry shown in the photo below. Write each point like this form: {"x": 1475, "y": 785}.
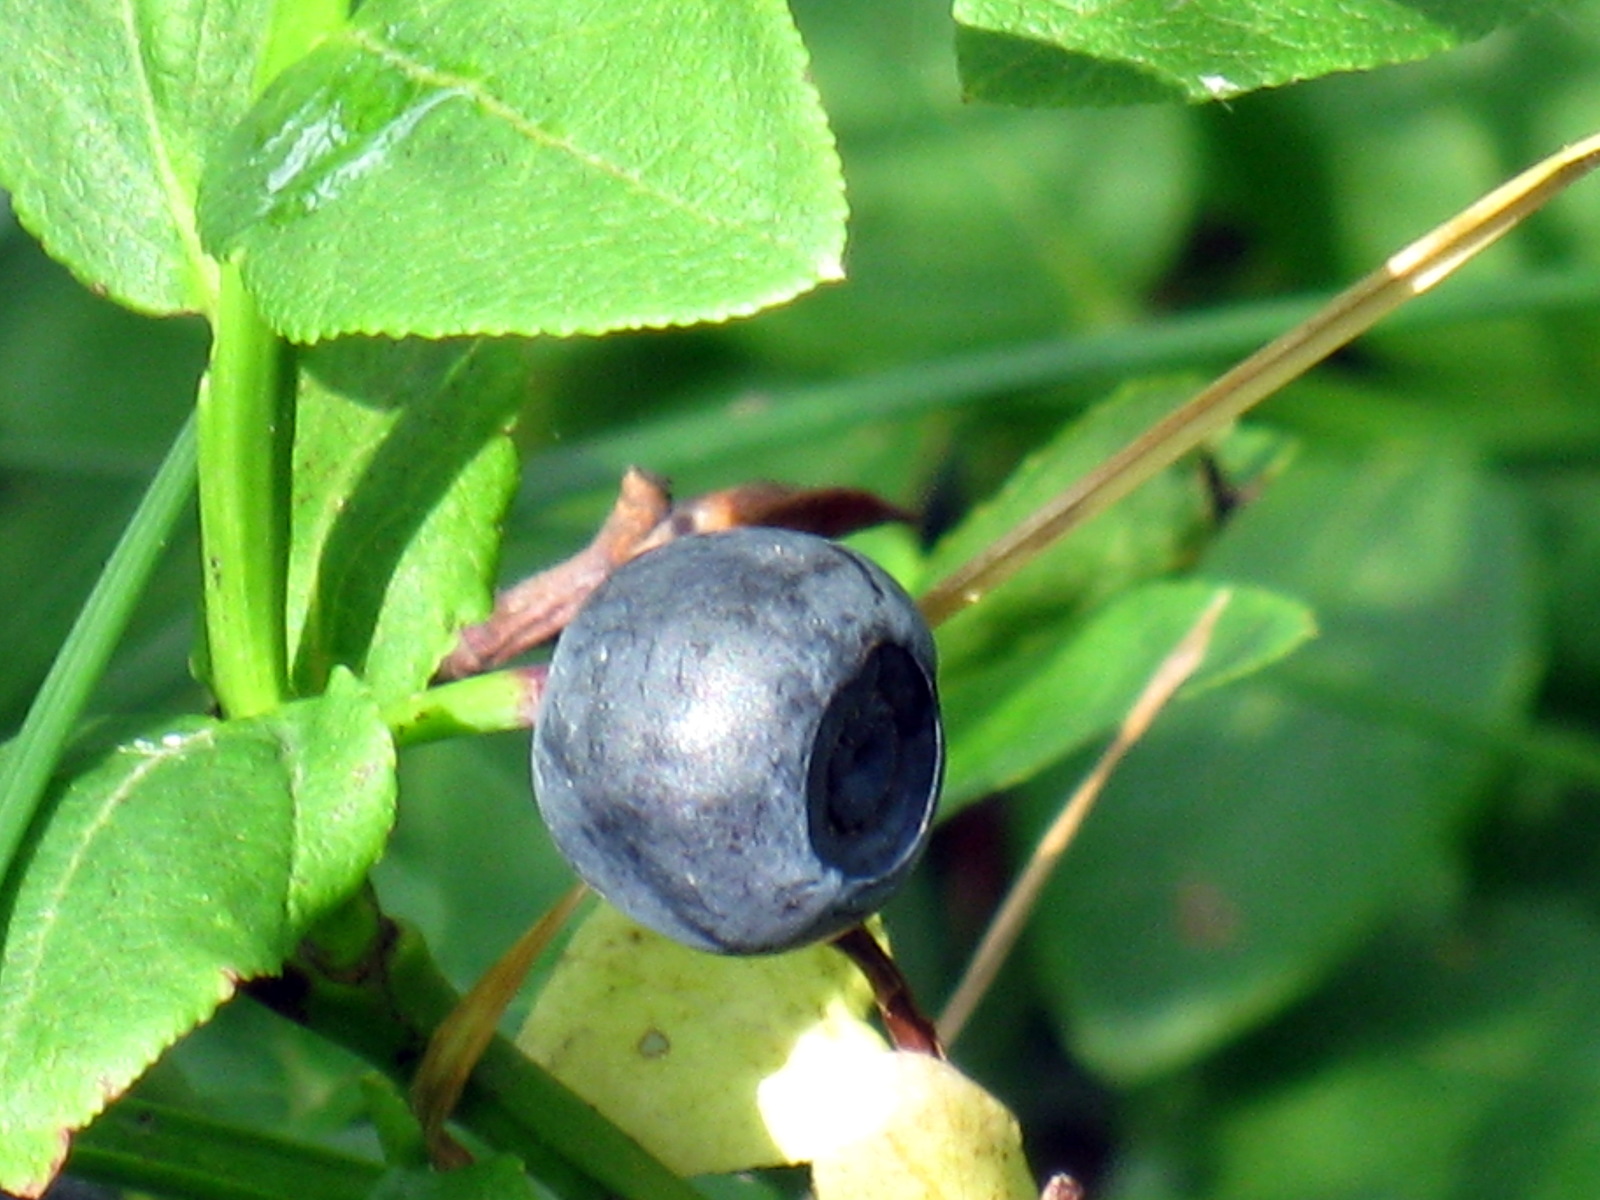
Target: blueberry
{"x": 739, "y": 743}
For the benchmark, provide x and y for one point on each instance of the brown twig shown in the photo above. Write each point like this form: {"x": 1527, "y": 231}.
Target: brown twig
{"x": 537, "y": 608}
{"x": 826, "y": 512}
{"x": 1184, "y": 659}
{"x": 1347, "y": 316}
{"x": 644, "y": 518}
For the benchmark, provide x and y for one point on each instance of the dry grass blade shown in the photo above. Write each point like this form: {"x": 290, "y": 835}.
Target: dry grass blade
{"x": 1406, "y": 275}
{"x": 1182, "y": 662}
{"x": 459, "y": 1042}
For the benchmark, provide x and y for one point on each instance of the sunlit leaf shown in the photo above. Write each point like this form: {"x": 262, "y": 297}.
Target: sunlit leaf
{"x": 1082, "y": 687}
{"x": 186, "y": 861}
{"x": 1011, "y": 664}
{"x": 673, "y": 1044}
{"x": 548, "y": 168}
{"x": 106, "y": 113}
{"x": 1056, "y": 52}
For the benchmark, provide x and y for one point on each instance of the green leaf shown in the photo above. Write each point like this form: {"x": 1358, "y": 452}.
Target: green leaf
{"x": 247, "y": 1066}
{"x": 1054, "y": 52}
{"x": 402, "y": 473}
{"x": 1017, "y": 642}
{"x": 488, "y": 166}
{"x": 1452, "y": 1064}
{"x": 951, "y": 200}
{"x": 106, "y": 113}
{"x": 183, "y": 863}
{"x": 1148, "y": 533}
{"x": 89, "y": 388}
{"x": 1140, "y": 536}
{"x": 1027, "y": 210}
{"x": 1569, "y": 507}
{"x": 474, "y": 876}
{"x": 1085, "y": 686}
{"x": 738, "y": 1187}
{"x": 1258, "y": 833}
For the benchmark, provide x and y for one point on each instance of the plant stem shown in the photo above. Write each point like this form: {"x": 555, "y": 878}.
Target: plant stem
{"x": 246, "y": 428}
{"x": 181, "y": 1154}
{"x": 490, "y": 703}
{"x": 386, "y": 1008}
{"x": 30, "y": 759}
{"x": 246, "y": 413}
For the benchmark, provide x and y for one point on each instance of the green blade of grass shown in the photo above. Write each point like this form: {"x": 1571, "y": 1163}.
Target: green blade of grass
{"x": 154, "y": 1147}
{"x": 30, "y": 759}
{"x": 1176, "y": 342}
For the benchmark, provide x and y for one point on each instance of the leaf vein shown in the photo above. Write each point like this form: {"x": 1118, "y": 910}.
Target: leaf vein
{"x": 180, "y": 204}
{"x": 474, "y": 91}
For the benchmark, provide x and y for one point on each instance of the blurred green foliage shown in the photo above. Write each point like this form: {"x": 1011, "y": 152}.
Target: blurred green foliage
{"x": 1334, "y": 932}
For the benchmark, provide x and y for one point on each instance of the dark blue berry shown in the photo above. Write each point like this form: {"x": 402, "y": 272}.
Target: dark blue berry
{"x": 739, "y": 745}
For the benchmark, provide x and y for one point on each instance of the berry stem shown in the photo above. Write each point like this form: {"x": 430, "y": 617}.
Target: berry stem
{"x": 907, "y": 1026}
{"x": 492, "y": 703}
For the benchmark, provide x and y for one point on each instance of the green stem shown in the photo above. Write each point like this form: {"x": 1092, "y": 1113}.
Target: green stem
{"x": 246, "y": 426}
{"x": 492, "y": 703}
{"x": 31, "y": 758}
{"x": 180, "y": 1154}
{"x": 246, "y": 415}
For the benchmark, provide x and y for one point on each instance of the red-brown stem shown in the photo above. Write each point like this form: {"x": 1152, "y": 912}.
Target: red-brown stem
{"x": 907, "y": 1026}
